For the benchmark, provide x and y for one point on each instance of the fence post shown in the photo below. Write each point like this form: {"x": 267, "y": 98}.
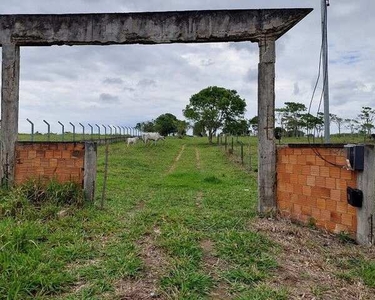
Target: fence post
{"x": 92, "y": 131}
{"x": 89, "y": 178}
{"x": 83, "y": 130}
{"x": 49, "y": 130}
{"x": 74, "y": 131}
{"x": 97, "y": 126}
{"x": 62, "y": 130}
{"x": 232, "y": 145}
{"x": 32, "y": 130}
{"x": 105, "y": 132}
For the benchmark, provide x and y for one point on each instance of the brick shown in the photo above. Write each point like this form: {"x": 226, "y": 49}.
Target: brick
{"x": 347, "y": 219}
{"x": 306, "y": 190}
{"x": 321, "y": 192}
{"x": 297, "y": 151}
{"x": 283, "y": 177}
{"x": 341, "y": 160}
{"x": 352, "y": 210}
{"x": 284, "y": 159}
{"x": 306, "y": 210}
{"x": 324, "y": 171}
{"x": 345, "y": 174}
{"x": 334, "y": 172}
{"x": 301, "y": 159}
{"x": 306, "y": 170}
{"x": 310, "y": 160}
{"x": 293, "y": 198}
{"x": 57, "y": 154}
{"x": 336, "y": 217}
{"x": 335, "y": 195}
{"x": 289, "y": 151}
{"x": 297, "y": 189}
{"x": 302, "y": 179}
{"x": 330, "y": 183}
{"x": 310, "y": 201}
{"x": 297, "y": 169}
{"x": 293, "y": 159}
{"x": 341, "y": 228}
{"x": 66, "y": 154}
{"x": 315, "y": 213}
{"x": 31, "y": 154}
{"x": 325, "y": 215}
{"x": 289, "y": 169}
{"x": 293, "y": 178}
{"x": 342, "y": 207}
{"x": 331, "y": 205}
{"x": 297, "y": 209}
{"x": 330, "y": 159}
{"x": 341, "y": 184}
{"x": 321, "y": 203}
{"x": 315, "y": 170}
{"x": 320, "y": 181}
{"x": 319, "y": 161}
{"x": 49, "y": 154}
{"x": 310, "y": 180}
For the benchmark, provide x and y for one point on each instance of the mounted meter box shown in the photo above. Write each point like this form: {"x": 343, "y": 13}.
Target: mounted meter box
{"x": 355, "y": 157}
{"x": 355, "y": 197}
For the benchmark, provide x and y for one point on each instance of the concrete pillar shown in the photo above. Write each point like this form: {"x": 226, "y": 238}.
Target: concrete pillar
{"x": 366, "y": 214}
{"x": 266, "y": 124}
{"x": 9, "y": 111}
{"x": 89, "y": 177}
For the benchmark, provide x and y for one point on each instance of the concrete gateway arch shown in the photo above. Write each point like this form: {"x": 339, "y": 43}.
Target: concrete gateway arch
{"x": 263, "y": 26}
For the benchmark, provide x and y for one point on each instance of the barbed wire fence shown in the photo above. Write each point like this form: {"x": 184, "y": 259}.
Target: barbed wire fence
{"x": 78, "y": 132}
{"x": 241, "y": 149}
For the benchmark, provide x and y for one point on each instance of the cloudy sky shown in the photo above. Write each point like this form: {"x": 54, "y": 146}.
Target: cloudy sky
{"x": 126, "y": 84}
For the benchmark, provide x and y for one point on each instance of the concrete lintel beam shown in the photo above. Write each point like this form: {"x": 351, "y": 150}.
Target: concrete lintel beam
{"x": 149, "y": 27}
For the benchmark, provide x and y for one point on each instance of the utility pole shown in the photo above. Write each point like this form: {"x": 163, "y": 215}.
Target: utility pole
{"x": 325, "y": 4}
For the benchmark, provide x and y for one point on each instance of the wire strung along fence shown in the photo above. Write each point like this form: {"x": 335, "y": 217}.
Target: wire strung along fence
{"x": 240, "y": 149}
{"x": 78, "y": 132}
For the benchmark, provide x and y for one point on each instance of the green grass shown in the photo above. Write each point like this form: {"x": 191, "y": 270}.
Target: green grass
{"x": 86, "y": 253}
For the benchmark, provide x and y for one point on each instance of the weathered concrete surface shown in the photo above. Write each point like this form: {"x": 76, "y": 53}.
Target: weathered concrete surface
{"x": 89, "y": 179}
{"x": 266, "y": 125}
{"x": 149, "y": 27}
{"x": 366, "y": 183}
{"x": 9, "y": 111}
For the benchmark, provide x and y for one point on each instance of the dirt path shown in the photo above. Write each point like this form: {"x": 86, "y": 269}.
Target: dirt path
{"x": 178, "y": 157}
{"x": 308, "y": 262}
{"x": 198, "y": 158}
{"x": 155, "y": 262}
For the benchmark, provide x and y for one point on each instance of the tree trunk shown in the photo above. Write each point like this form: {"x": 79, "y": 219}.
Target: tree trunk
{"x": 210, "y": 134}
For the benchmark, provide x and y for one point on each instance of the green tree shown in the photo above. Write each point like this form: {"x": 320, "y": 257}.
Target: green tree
{"x": 198, "y": 129}
{"x": 291, "y": 116}
{"x": 237, "y": 127}
{"x": 339, "y": 121}
{"x": 166, "y": 124}
{"x": 366, "y": 119}
{"x": 182, "y": 127}
{"x": 148, "y": 126}
{"x": 311, "y": 122}
{"x": 215, "y": 107}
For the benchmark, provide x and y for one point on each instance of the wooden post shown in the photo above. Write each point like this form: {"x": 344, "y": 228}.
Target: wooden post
{"x": 89, "y": 178}
{"x": 9, "y": 111}
{"x": 266, "y": 124}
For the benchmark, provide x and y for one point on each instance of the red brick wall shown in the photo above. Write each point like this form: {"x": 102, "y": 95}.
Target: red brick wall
{"x": 61, "y": 161}
{"x": 311, "y": 189}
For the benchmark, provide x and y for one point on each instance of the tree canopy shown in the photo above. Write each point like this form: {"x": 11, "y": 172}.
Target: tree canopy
{"x": 215, "y": 107}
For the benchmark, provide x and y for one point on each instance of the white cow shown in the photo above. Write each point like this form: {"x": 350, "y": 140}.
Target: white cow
{"x": 132, "y": 140}
{"x": 152, "y": 136}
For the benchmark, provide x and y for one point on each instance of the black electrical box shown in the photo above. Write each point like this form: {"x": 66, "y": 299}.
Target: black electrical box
{"x": 356, "y": 156}
{"x": 355, "y": 197}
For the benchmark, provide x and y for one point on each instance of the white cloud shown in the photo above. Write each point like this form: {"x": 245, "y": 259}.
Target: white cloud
{"x": 132, "y": 83}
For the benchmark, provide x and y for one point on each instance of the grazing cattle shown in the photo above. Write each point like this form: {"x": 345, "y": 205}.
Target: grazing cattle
{"x": 152, "y": 136}
{"x": 132, "y": 140}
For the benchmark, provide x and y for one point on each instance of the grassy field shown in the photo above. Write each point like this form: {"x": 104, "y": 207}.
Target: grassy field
{"x": 179, "y": 223}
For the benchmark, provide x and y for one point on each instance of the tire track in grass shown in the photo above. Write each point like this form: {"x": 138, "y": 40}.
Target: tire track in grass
{"x": 178, "y": 157}
{"x": 198, "y": 158}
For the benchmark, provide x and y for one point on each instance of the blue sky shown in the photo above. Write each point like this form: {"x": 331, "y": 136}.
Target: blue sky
{"x": 123, "y": 85}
